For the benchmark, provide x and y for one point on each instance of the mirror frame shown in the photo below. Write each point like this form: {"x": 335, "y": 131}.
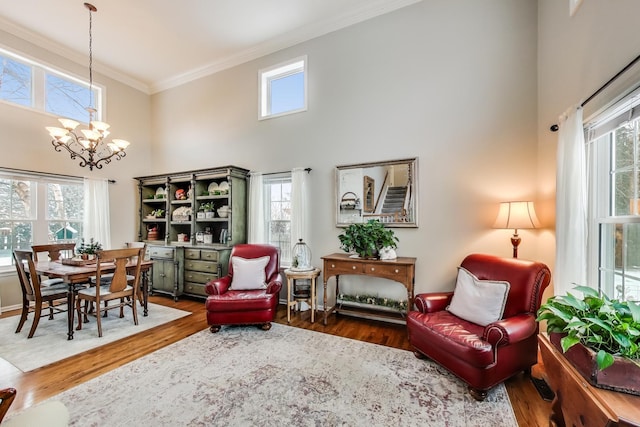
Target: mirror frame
{"x": 352, "y": 183}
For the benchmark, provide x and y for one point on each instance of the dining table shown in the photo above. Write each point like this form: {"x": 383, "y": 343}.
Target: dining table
{"x": 73, "y": 275}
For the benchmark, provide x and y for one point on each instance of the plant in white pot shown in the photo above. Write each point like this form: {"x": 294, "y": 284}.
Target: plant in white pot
{"x": 367, "y": 239}
{"x": 208, "y": 209}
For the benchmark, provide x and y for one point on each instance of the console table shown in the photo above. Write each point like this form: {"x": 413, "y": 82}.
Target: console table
{"x": 578, "y": 403}
{"x": 401, "y": 269}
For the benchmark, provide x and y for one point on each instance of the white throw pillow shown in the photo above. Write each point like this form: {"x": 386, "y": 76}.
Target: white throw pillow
{"x": 478, "y": 301}
{"x": 248, "y": 273}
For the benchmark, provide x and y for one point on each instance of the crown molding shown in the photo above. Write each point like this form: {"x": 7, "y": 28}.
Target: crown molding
{"x": 70, "y": 54}
{"x": 305, "y": 33}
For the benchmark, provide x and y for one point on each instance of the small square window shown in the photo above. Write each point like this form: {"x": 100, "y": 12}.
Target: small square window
{"x": 15, "y": 82}
{"x": 283, "y": 89}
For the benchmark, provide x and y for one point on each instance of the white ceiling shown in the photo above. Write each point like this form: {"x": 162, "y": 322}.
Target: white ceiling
{"x": 157, "y": 44}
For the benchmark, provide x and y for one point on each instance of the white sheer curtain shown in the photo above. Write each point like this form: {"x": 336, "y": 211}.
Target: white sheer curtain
{"x": 571, "y": 203}
{"x": 299, "y": 207}
{"x": 256, "y": 232}
{"x": 96, "y": 211}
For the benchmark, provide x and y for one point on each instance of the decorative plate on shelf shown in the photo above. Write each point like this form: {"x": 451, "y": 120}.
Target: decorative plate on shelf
{"x": 224, "y": 186}
{"x": 212, "y": 187}
{"x": 161, "y": 192}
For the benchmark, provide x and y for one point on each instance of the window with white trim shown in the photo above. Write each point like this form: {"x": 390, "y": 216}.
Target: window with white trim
{"x": 30, "y": 84}
{"x": 38, "y": 209}
{"x": 277, "y": 211}
{"x": 283, "y": 88}
{"x": 613, "y": 153}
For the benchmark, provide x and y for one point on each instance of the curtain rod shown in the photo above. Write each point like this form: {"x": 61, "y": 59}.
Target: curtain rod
{"x": 61, "y": 175}
{"x": 276, "y": 173}
{"x": 554, "y": 128}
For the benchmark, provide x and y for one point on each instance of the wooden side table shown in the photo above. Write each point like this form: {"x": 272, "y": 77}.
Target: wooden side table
{"x": 293, "y": 275}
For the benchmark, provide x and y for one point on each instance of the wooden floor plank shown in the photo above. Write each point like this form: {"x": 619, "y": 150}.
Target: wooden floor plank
{"x": 40, "y": 384}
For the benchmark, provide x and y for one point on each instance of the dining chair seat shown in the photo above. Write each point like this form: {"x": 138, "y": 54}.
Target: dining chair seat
{"x": 51, "y": 282}
{"x": 104, "y": 291}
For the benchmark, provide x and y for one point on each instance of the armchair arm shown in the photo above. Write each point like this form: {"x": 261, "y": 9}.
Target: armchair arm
{"x": 218, "y": 286}
{"x": 429, "y": 303}
{"x": 510, "y": 330}
{"x": 275, "y": 284}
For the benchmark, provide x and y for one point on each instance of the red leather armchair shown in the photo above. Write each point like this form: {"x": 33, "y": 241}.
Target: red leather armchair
{"x": 483, "y": 356}
{"x": 226, "y": 306}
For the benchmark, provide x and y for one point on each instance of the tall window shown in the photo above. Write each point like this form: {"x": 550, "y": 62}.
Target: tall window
{"x": 614, "y": 203}
{"x": 37, "y": 209}
{"x": 31, "y": 84}
{"x": 283, "y": 88}
{"x": 277, "y": 198}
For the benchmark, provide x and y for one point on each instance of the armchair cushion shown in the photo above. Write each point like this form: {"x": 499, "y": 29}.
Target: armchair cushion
{"x": 249, "y": 273}
{"x": 478, "y": 301}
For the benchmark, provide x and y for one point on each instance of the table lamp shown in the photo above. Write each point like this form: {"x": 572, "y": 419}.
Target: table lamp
{"x": 516, "y": 215}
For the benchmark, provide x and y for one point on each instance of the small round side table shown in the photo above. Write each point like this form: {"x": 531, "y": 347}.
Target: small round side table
{"x": 293, "y": 275}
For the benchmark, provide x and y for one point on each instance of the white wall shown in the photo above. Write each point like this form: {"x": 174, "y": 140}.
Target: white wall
{"x": 25, "y": 144}
{"x": 575, "y": 57}
{"x": 452, "y": 83}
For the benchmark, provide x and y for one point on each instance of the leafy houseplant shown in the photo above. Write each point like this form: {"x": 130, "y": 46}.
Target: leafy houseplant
{"x": 367, "y": 238}
{"x": 607, "y": 326}
{"x": 158, "y": 213}
{"x": 86, "y": 249}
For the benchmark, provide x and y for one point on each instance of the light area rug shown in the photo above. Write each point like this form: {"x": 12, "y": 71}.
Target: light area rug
{"x": 49, "y": 344}
{"x": 243, "y": 376}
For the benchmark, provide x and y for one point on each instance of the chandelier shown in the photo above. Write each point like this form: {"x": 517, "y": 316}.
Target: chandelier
{"x": 88, "y": 144}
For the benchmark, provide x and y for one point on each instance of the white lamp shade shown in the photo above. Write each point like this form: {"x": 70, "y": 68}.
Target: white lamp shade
{"x": 516, "y": 215}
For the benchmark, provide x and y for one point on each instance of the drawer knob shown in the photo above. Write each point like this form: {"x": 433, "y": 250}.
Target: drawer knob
{"x": 333, "y": 266}
{"x": 354, "y": 267}
{"x": 397, "y": 271}
{"x": 373, "y": 269}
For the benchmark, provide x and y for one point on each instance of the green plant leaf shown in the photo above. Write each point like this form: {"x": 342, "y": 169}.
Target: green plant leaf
{"x": 575, "y": 302}
{"x": 568, "y": 342}
{"x": 587, "y": 291}
{"x": 604, "y": 360}
{"x": 565, "y": 316}
{"x": 635, "y": 311}
{"x": 599, "y": 322}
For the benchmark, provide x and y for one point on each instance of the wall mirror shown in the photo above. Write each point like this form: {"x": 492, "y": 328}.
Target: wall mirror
{"x": 387, "y": 191}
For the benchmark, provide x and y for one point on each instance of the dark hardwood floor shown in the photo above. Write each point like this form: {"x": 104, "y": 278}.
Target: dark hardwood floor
{"x": 50, "y": 380}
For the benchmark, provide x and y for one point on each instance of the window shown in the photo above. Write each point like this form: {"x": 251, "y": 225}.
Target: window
{"x": 614, "y": 203}
{"x": 24, "y": 220}
{"x": 277, "y": 198}
{"x": 283, "y": 89}
{"x": 30, "y": 84}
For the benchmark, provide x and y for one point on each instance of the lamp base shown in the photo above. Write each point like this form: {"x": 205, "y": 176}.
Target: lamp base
{"x": 515, "y": 241}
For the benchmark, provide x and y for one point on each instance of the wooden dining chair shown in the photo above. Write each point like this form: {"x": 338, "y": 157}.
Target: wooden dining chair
{"x": 54, "y": 251}
{"x": 121, "y": 286}
{"x": 33, "y": 292}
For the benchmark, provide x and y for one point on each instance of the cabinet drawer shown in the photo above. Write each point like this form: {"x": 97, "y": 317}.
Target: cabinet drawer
{"x": 343, "y": 267}
{"x": 209, "y": 255}
{"x": 197, "y": 277}
{"x": 161, "y": 252}
{"x": 206, "y": 266}
{"x": 192, "y": 253}
{"x": 195, "y": 288}
{"x": 387, "y": 271}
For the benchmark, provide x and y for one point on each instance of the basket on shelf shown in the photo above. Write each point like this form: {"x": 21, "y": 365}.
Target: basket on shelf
{"x": 349, "y": 200}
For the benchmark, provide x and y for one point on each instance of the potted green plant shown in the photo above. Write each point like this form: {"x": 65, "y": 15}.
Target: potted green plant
{"x": 88, "y": 250}
{"x": 598, "y": 335}
{"x": 367, "y": 238}
{"x": 157, "y": 213}
{"x": 208, "y": 210}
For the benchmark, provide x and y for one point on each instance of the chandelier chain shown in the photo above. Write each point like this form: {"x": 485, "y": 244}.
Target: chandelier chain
{"x": 91, "y": 59}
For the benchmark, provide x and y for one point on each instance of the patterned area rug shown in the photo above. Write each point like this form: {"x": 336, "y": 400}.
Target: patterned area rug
{"x": 287, "y": 376}
{"x": 49, "y": 344}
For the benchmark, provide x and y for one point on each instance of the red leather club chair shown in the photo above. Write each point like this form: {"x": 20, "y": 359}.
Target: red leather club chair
{"x": 483, "y": 356}
{"x": 246, "y": 296}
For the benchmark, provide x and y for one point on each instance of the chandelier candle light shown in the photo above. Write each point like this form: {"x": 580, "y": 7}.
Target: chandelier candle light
{"x": 89, "y": 145}
{"x": 516, "y": 215}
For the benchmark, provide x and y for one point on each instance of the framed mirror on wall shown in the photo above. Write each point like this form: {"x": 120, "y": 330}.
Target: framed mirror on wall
{"x": 387, "y": 191}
